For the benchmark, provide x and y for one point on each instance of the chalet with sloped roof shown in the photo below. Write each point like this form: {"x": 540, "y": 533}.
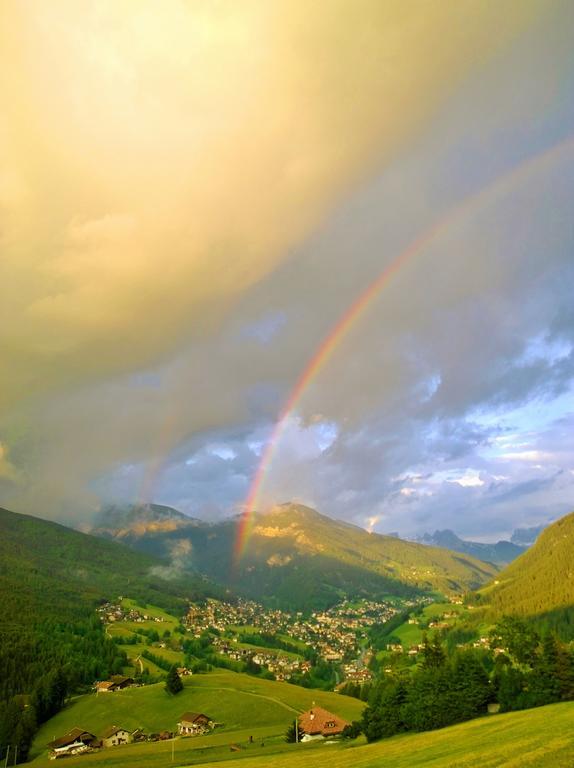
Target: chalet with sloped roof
{"x": 115, "y": 735}
{"x": 194, "y": 724}
{"x": 74, "y": 742}
{"x": 318, "y": 723}
{"x": 115, "y": 683}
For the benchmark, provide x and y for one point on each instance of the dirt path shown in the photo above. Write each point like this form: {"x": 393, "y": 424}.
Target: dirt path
{"x": 249, "y": 693}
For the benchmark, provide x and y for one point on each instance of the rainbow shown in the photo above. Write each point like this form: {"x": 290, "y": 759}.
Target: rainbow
{"x": 359, "y": 307}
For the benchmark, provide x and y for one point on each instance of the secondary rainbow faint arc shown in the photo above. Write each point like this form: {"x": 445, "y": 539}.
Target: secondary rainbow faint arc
{"x": 359, "y": 307}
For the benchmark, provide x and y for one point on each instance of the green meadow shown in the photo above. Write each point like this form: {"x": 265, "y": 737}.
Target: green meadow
{"x": 244, "y": 706}
{"x": 412, "y": 634}
{"x": 536, "y": 738}
{"x": 539, "y": 738}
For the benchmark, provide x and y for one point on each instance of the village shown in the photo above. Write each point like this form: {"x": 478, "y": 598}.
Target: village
{"x": 78, "y": 741}
{"x": 283, "y": 645}
{"x": 280, "y": 643}
{"x": 313, "y": 725}
{"x": 338, "y": 636}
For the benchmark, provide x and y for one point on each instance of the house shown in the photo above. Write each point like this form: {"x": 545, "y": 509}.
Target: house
{"x": 194, "y": 724}
{"x": 114, "y": 735}
{"x": 318, "y": 723}
{"x": 115, "y": 683}
{"x": 395, "y": 647}
{"x": 74, "y": 742}
{"x": 104, "y": 686}
{"x": 184, "y": 671}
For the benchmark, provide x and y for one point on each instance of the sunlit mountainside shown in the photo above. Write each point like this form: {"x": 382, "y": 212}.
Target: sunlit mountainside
{"x": 296, "y": 556}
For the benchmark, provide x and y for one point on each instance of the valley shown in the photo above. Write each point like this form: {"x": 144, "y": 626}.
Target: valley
{"x": 253, "y": 667}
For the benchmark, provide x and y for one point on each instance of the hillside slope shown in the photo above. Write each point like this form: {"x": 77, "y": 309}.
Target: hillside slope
{"x": 236, "y": 701}
{"x": 542, "y": 579}
{"x": 535, "y": 738}
{"x": 304, "y": 560}
{"x": 56, "y": 571}
{"x": 51, "y": 640}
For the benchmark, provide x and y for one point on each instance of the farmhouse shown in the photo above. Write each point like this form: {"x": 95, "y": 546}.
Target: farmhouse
{"x": 114, "y": 735}
{"x": 194, "y": 724}
{"x": 184, "y": 672}
{"x": 115, "y": 683}
{"x": 74, "y": 742}
{"x": 318, "y": 723}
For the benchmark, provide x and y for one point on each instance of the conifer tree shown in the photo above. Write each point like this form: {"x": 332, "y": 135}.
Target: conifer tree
{"x": 432, "y": 653}
{"x": 173, "y": 684}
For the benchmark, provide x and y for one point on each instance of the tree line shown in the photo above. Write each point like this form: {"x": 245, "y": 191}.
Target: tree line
{"x": 520, "y": 670}
{"x": 41, "y": 665}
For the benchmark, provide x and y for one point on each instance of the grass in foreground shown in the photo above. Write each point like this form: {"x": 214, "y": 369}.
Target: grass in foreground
{"x": 244, "y": 704}
{"x": 536, "y": 738}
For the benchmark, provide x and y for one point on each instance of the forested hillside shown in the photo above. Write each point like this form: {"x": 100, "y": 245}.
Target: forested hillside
{"x": 540, "y": 583}
{"x": 298, "y": 558}
{"x": 51, "y": 641}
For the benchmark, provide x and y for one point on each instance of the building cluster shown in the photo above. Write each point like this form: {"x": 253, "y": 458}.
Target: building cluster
{"x": 111, "y": 612}
{"x": 316, "y": 723}
{"x": 221, "y": 616}
{"x": 335, "y": 635}
{"x": 281, "y": 666}
{"x": 80, "y": 742}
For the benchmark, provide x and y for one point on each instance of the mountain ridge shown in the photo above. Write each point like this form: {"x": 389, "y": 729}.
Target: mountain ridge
{"x": 502, "y": 552}
{"x": 296, "y": 555}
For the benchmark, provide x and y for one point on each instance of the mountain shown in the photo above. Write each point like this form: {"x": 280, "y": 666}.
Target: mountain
{"x": 525, "y": 537}
{"x": 138, "y": 519}
{"x": 541, "y": 581}
{"x": 301, "y": 559}
{"x": 502, "y": 552}
{"x": 47, "y": 565}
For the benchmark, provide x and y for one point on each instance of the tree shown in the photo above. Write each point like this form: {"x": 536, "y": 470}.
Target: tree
{"x": 173, "y": 684}
{"x": 470, "y": 686}
{"x": 294, "y": 733}
{"x": 432, "y": 653}
{"x": 518, "y": 637}
{"x": 353, "y": 730}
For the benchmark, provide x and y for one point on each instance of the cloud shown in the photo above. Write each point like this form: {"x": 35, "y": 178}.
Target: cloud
{"x": 7, "y": 469}
{"x": 156, "y": 165}
{"x": 536, "y": 456}
{"x": 180, "y": 556}
{"x": 191, "y": 199}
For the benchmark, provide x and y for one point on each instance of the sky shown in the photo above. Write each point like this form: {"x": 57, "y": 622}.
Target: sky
{"x": 193, "y": 196}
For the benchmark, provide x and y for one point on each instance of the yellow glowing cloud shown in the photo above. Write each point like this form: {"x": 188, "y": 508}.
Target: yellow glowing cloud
{"x": 156, "y": 159}
{"x": 7, "y": 469}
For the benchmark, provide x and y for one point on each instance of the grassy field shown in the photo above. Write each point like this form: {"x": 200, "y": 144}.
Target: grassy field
{"x": 264, "y": 649}
{"x": 412, "y": 634}
{"x": 129, "y": 629}
{"x": 538, "y": 738}
{"x": 240, "y": 702}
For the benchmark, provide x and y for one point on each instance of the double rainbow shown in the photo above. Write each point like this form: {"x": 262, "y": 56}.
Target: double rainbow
{"x": 358, "y": 308}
